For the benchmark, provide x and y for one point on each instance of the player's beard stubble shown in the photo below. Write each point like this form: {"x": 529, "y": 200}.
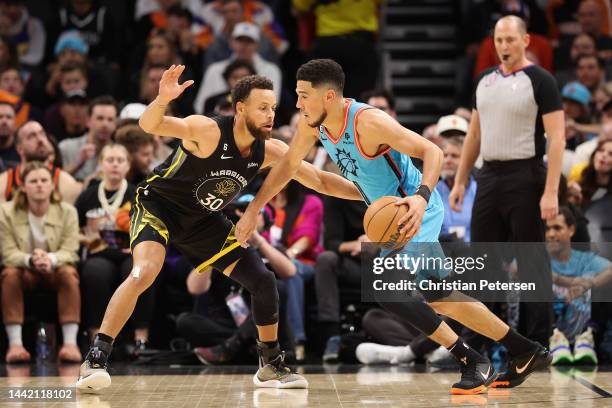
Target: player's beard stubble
{"x": 258, "y": 133}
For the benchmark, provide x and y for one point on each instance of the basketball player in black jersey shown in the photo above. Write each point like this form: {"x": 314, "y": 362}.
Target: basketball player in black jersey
{"x": 181, "y": 201}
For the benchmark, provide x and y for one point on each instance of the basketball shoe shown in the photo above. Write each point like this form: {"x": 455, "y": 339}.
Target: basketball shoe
{"x": 521, "y": 366}
{"x": 93, "y": 375}
{"x": 273, "y": 373}
{"x": 560, "y": 349}
{"x": 584, "y": 349}
{"x": 476, "y": 376}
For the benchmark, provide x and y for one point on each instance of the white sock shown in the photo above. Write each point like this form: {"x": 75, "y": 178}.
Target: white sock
{"x": 13, "y": 331}
{"x": 70, "y": 330}
{"x": 407, "y": 355}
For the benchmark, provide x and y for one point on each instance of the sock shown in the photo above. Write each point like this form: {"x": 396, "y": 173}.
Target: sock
{"x": 69, "y": 331}
{"x": 104, "y": 343}
{"x": 268, "y": 351}
{"x": 464, "y": 353}
{"x": 407, "y": 355}
{"x": 516, "y": 344}
{"x": 13, "y": 331}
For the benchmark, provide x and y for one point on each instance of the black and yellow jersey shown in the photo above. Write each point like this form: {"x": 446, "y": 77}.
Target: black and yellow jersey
{"x": 195, "y": 185}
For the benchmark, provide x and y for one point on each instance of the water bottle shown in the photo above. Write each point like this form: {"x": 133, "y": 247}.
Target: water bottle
{"x": 42, "y": 343}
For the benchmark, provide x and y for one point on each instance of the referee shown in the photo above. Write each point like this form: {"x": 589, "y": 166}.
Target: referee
{"x": 515, "y": 105}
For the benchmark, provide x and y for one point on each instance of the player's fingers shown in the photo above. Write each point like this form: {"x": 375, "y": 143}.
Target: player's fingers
{"x": 409, "y": 224}
{"x": 186, "y": 84}
{"x": 404, "y": 218}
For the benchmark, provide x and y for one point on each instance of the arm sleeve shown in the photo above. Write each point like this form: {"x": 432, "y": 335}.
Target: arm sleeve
{"x": 547, "y": 94}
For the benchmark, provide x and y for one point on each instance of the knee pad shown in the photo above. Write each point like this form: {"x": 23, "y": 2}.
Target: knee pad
{"x": 252, "y": 274}
{"x": 417, "y": 313}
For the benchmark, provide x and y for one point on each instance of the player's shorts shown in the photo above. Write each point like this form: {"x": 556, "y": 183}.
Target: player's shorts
{"x": 205, "y": 240}
{"x": 425, "y": 244}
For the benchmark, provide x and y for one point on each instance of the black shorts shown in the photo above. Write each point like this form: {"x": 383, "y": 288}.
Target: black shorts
{"x": 205, "y": 240}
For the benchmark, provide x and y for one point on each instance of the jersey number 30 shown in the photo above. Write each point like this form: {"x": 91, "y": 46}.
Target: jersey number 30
{"x": 212, "y": 203}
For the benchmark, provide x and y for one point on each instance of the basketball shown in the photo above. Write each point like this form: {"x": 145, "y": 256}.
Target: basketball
{"x": 380, "y": 222}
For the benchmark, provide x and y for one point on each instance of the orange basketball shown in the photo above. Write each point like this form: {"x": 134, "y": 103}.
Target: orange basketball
{"x": 380, "y": 222}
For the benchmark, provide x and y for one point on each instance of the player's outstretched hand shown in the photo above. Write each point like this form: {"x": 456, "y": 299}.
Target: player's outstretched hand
{"x": 169, "y": 88}
{"x": 412, "y": 220}
{"x": 245, "y": 227}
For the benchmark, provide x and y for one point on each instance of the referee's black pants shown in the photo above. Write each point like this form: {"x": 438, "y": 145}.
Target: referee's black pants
{"x": 507, "y": 209}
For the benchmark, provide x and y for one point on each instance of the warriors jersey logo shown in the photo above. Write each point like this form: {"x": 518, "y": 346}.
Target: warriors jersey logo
{"x": 346, "y": 163}
{"x": 218, "y": 189}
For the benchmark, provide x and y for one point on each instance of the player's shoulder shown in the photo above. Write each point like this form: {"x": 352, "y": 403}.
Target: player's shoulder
{"x": 537, "y": 74}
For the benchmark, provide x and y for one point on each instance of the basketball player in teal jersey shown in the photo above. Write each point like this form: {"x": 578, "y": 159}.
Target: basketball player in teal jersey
{"x": 373, "y": 151}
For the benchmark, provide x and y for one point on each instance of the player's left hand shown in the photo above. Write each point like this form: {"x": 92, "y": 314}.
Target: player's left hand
{"x": 412, "y": 220}
{"x": 245, "y": 227}
{"x": 549, "y": 205}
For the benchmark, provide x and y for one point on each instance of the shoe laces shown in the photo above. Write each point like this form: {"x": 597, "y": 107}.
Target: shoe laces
{"x": 96, "y": 358}
{"x": 468, "y": 371}
{"x": 279, "y": 364}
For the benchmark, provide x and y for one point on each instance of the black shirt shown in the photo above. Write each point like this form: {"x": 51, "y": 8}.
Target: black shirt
{"x": 88, "y": 199}
{"x": 197, "y": 185}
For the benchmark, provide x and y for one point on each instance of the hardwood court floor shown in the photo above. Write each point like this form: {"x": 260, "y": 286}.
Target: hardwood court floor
{"x": 340, "y": 386}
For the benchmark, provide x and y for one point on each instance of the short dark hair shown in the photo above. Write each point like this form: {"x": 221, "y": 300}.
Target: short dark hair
{"x": 570, "y": 218}
{"x": 243, "y": 88}
{"x": 322, "y": 71}
{"x": 5, "y": 103}
{"x": 379, "y": 93}
{"x": 101, "y": 100}
{"x": 600, "y": 62}
{"x": 237, "y": 64}
{"x": 133, "y": 137}
{"x": 74, "y": 66}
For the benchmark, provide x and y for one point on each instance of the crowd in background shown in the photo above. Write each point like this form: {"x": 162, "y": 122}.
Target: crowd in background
{"x": 76, "y": 75}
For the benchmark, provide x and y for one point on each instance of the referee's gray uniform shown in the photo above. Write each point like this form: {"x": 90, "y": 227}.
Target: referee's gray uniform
{"x": 512, "y": 179}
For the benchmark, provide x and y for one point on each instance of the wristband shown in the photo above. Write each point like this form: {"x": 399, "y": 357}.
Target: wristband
{"x": 424, "y": 192}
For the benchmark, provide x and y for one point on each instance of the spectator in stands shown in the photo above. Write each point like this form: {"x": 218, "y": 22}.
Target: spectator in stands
{"x": 103, "y": 210}
{"x": 602, "y": 95}
{"x": 190, "y": 39}
{"x": 338, "y": 266}
{"x": 596, "y": 179}
{"x": 97, "y": 26}
{"x": 382, "y": 99}
{"x": 582, "y": 44}
{"x": 80, "y": 154}
{"x": 576, "y": 99}
{"x": 12, "y": 89}
{"x": 590, "y": 71}
{"x": 156, "y": 17}
{"x": 141, "y": 148}
{"x": 8, "y": 152}
{"x": 232, "y": 73}
{"x": 584, "y": 150}
{"x": 32, "y": 144}
{"x": 575, "y": 273}
{"x": 245, "y": 45}
{"x": 593, "y": 19}
{"x": 298, "y": 226}
{"x": 149, "y": 83}
{"x": 346, "y": 34}
{"x": 26, "y": 32}
{"x": 456, "y": 224}
{"x": 67, "y": 119}
{"x": 71, "y": 49}
{"x": 223, "y": 15}
{"x": 39, "y": 247}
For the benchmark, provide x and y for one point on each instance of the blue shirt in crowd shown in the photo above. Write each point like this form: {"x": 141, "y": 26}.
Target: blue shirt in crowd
{"x": 458, "y": 222}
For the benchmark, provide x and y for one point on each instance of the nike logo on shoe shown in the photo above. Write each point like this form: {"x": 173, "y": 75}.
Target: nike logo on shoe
{"x": 485, "y": 375}
{"x": 223, "y": 157}
{"x": 519, "y": 370}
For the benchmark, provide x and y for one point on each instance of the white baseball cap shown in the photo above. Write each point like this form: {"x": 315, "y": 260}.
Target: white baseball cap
{"x": 451, "y": 122}
{"x": 245, "y": 29}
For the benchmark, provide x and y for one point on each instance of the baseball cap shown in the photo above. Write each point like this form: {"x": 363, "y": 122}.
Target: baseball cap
{"x": 575, "y": 91}
{"x": 451, "y": 122}
{"x": 245, "y": 29}
{"x": 75, "y": 95}
{"x": 71, "y": 39}
{"x": 132, "y": 111}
